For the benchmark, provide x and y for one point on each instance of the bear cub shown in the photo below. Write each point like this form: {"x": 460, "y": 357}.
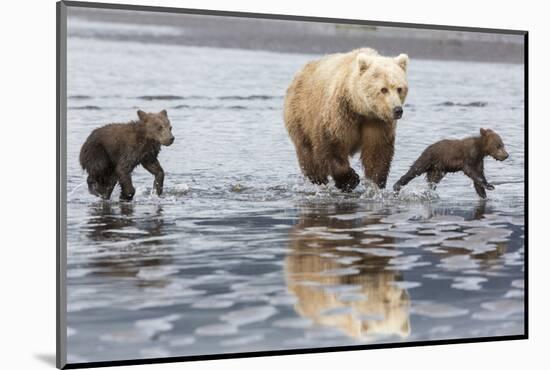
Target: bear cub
{"x": 464, "y": 155}
{"x": 111, "y": 153}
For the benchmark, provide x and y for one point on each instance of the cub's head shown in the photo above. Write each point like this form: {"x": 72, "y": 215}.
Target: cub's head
{"x": 379, "y": 85}
{"x": 157, "y": 126}
{"x": 492, "y": 144}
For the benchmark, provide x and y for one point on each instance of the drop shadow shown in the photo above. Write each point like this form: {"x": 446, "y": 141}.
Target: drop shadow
{"x": 47, "y": 358}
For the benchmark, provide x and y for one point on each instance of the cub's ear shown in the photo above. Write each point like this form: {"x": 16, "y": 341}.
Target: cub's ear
{"x": 164, "y": 113}
{"x": 402, "y": 61}
{"x": 141, "y": 114}
{"x": 483, "y": 132}
{"x": 363, "y": 62}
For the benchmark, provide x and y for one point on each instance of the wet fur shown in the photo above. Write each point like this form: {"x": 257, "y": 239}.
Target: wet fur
{"x": 112, "y": 152}
{"x": 326, "y": 125}
{"x": 464, "y": 155}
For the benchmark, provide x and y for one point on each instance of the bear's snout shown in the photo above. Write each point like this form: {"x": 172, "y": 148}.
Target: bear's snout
{"x": 397, "y": 112}
{"x": 504, "y": 155}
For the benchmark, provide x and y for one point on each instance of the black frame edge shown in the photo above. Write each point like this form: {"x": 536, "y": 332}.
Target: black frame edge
{"x": 526, "y": 182}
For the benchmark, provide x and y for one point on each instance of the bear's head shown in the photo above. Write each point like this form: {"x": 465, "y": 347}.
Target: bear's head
{"x": 379, "y": 85}
{"x": 157, "y": 126}
{"x": 492, "y": 144}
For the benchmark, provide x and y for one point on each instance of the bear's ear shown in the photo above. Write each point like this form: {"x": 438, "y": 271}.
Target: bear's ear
{"x": 141, "y": 114}
{"x": 482, "y": 131}
{"x": 363, "y": 62}
{"x": 403, "y": 61}
{"x": 164, "y": 113}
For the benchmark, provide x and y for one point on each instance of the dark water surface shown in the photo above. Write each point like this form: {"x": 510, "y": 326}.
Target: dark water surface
{"x": 242, "y": 254}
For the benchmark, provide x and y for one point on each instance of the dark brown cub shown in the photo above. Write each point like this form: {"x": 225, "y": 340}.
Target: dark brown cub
{"x": 111, "y": 153}
{"x": 464, "y": 155}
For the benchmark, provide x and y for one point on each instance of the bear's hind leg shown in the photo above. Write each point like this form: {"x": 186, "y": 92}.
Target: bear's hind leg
{"x": 306, "y": 158}
{"x": 127, "y": 189}
{"x": 110, "y": 184}
{"x": 102, "y": 187}
{"x": 420, "y": 166}
{"x": 413, "y": 172}
{"x": 93, "y": 186}
{"x": 434, "y": 177}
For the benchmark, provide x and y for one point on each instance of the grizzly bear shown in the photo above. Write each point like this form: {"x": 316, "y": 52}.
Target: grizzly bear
{"x": 111, "y": 153}
{"x": 464, "y": 155}
{"x": 342, "y": 104}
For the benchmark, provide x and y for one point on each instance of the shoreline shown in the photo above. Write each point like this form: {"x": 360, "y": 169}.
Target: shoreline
{"x": 292, "y": 36}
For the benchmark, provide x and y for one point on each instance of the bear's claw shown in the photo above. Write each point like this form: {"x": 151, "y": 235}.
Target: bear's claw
{"x": 349, "y": 182}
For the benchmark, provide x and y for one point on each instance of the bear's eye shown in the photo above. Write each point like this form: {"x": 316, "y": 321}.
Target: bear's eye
{"x": 399, "y": 90}
{"x": 160, "y": 128}
{"x": 384, "y": 90}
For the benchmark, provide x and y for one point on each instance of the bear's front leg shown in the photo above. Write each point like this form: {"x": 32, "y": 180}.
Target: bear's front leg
{"x": 125, "y": 180}
{"x": 480, "y": 190}
{"x": 477, "y": 176}
{"x": 345, "y": 178}
{"x": 481, "y": 171}
{"x": 153, "y": 166}
{"x": 376, "y": 165}
{"x": 377, "y": 141}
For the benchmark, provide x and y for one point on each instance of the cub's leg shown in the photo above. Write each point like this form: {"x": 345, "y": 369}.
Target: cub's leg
{"x": 102, "y": 186}
{"x": 423, "y": 164}
{"x": 434, "y": 177}
{"x": 484, "y": 181}
{"x": 110, "y": 184}
{"x": 153, "y": 166}
{"x": 95, "y": 160}
{"x": 93, "y": 186}
{"x": 480, "y": 182}
{"x": 480, "y": 190}
{"x": 417, "y": 169}
{"x": 125, "y": 180}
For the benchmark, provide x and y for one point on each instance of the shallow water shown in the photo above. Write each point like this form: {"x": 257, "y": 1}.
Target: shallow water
{"x": 242, "y": 254}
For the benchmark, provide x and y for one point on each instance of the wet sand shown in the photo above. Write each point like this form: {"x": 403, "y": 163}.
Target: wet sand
{"x": 300, "y": 37}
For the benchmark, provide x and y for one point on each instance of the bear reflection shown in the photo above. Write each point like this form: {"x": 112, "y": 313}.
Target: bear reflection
{"x": 337, "y": 284}
{"x": 127, "y": 243}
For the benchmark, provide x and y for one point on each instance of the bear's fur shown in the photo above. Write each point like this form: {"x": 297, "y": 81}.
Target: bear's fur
{"x": 343, "y": 104}
{"x": 464, "y": 155}
{"x": 111, "y": 153}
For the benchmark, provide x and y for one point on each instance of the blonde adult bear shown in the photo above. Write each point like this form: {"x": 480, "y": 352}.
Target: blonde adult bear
{"x": 343, "y": 104}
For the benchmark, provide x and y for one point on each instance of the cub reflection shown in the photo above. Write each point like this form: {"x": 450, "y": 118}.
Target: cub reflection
{"x": 484, "y": 235}
{"x": 340, "y": 275}
{"x": 128, "y": 245}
